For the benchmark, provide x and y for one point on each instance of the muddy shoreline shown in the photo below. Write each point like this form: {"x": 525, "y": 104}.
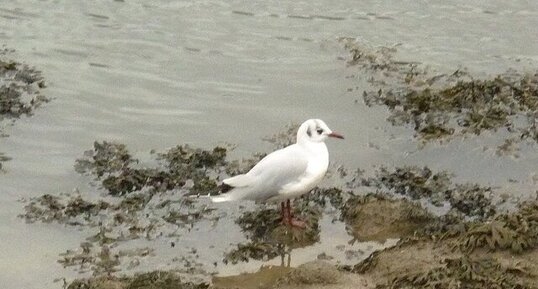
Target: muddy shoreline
{"x": 473, "y": 243}
{"x": 477, "y": 241}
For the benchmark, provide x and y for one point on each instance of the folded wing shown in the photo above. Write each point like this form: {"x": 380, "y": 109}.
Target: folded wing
{"x": 267, "y": 178}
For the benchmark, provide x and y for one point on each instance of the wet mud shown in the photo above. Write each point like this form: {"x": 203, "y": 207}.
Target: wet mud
{"x": 150, "y": 280}
{"x": 153, "y": 203}
{"x": 493, "y": 253}
{"x": 472, "y": 243}
{"x": 138, "y": 203}
{"x": 367, "y": 219}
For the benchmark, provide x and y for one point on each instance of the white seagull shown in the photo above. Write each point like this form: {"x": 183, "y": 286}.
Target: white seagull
{"x": 286, "y": 173}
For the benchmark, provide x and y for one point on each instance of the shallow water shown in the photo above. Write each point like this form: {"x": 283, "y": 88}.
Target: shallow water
{"x": 152, "y": 75}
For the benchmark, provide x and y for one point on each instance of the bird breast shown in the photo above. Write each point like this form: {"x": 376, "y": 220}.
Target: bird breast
{"x": 318, "y": 161}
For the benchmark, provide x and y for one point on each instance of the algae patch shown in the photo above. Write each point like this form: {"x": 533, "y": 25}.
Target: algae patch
{"x": 515, "y": 231}
{"x": 20, "y": 92}
{"x": 448, "y": 251}
{"x": 462, "y": 272}
{"x": 467, "y": 106}
{"x": 269, "y": 237}
{"x": 441, "y": 106}
{"x": 113, "y": 165}
{"x": 417, "y": 183}
{"x": 20, "y": 88}
{"x": 142, "y": 203}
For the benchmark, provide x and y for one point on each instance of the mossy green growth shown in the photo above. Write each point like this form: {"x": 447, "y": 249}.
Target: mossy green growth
{"x": 515, "y": 231}
{"x": 113, "y": 165}
{"x": 415, "y": 182}
{"x": 462, "y": 272}
{"x": 464, "y": 106}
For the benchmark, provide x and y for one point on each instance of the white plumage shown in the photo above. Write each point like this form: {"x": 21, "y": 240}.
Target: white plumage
{"x": 286, "y": 173}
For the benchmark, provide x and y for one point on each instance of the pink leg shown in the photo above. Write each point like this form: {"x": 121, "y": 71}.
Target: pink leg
{"x": 292, "y": 221}
{"x": 284, "y": 213}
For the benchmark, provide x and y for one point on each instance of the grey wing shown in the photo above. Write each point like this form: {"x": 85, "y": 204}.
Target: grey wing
{"x": 276, "y": 170}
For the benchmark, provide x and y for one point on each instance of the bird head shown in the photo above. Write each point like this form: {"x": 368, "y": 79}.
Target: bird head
{"x": 315, "y": 130}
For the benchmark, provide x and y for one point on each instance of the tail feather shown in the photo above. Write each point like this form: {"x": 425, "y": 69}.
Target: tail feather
{"x": 234, "y": 188}
{"x": 233, "y": 195}
{"x": 239, "y": 181}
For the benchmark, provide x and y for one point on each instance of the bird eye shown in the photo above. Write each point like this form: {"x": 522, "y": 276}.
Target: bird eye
{"x": 319, "y": 131}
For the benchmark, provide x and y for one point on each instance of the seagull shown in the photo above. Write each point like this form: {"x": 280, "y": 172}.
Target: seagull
{"x": 286, "y": 173}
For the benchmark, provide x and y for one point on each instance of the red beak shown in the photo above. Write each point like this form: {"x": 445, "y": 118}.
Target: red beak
{"x": 336, "y": 135}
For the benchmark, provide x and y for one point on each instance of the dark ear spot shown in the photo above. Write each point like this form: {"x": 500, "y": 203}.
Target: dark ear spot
{"x": 309, "y": 132}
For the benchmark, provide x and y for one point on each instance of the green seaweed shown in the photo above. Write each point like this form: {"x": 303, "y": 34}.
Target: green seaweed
{"x": 468, "y": 199}
{"x": 48, "y": 208}
{"x": 441, "y": 106}
{"x": 514, "y": 231}
{"x": 112, "y": 164}
{"x": 105, "y": 158}
{"x": 464, "y": 107}
{"x": 20, "y": 92}
{"x": 411, "y": 181}
{"x": 269, "y": 237}
{"x": 462, "y": 272}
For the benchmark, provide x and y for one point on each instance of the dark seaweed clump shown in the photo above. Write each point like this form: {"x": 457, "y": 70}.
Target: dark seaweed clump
{"x": 49, "y": 208}
{"x": 515, "y": 231}
{"x": 450, "y": 252}
{"x": 417, "y": 183}
{"x": 468, "y": 106}
{"x": 150, "y": 280}
{"x": 143, "y": 202}
{"x": 112, "y": 164}
{"x": 20, "y": 89}
{"x": 114, "y": 221}
{"x": 269, "y": 238}
{"x": 462, "y": 272}
{"x": 324, "y": 196}
{"x": 445, "y": 105}
{"x": 20, "y": 92}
